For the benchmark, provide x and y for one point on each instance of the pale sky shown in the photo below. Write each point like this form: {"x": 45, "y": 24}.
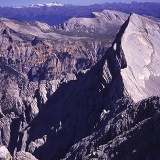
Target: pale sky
{"x": 74, "y": 2}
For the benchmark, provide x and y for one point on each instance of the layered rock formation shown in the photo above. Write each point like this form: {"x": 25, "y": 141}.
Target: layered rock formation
{"x": 100, "y": 114}
{"x": 41, "y": 52}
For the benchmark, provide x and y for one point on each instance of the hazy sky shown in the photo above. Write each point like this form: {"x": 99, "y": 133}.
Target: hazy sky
{"x": 75, "y": 2}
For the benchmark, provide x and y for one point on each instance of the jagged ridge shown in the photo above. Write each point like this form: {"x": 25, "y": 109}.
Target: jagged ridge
{"x": 94, "y": 103}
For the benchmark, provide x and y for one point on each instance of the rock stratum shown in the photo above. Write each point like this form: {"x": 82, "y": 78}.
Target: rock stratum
{"x": 107, "y": 110}
{"x": 43, "y": 52}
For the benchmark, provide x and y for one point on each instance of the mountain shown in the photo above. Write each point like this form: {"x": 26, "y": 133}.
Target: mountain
{"x": 100, "y": 22}
{"x": 101, "y": 114}
{"x": 35, "y": 59}
{"x": 41, "y": 5}
{"x": 75, "y": 96}
{"x": 55, "y": 15}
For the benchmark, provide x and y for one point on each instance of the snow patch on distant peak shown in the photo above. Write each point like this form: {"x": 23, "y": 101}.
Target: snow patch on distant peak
{"x": 53, "y": 4}
{"x": 41, "y": 5}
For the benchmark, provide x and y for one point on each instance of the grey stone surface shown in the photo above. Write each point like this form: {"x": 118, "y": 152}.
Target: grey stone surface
{"x": 4, "y": 153}
{"x": 24, "y": 156}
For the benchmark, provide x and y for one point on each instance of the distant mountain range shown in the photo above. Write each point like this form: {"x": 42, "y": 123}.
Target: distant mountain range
{"x": 41, "y": 5}
{"x": 56, "y": 13}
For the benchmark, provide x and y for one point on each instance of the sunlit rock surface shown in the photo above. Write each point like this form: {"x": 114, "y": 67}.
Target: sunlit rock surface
{"x": 141, "y": 45}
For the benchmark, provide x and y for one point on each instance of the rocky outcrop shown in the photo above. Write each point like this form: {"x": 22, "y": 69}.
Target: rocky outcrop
{"x": 24, "y": 156}
{"x": 4, "y": 153}
{"x": 129, "y": 131}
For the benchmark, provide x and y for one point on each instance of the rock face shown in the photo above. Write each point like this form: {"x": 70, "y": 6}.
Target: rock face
{"x": 141, "y": 39}
{"x": 132, "y": 133}
{"x": 99, "y": 113}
